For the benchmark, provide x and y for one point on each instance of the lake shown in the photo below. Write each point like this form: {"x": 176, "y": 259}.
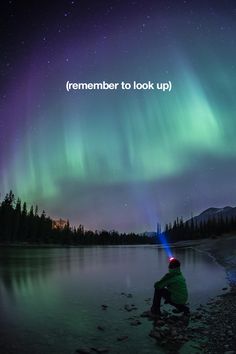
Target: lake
{"x": 51, "y": 298}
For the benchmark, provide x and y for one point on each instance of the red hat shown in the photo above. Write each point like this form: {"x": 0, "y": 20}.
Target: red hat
{"x": 174, "y": 263}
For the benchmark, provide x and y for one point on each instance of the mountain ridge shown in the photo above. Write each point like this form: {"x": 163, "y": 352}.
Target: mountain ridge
{"x": 217, "y": 213}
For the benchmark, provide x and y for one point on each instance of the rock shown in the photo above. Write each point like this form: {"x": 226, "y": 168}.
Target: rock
{"x": 100, "y": 350}
{"x": 155, "y": 334}
{"x": 145, "y": 314}
{"x": 121, "y": 338}
{"x": 104, "y": 307}
{"x": 229, "y": 352}
{"x": 127, "y": 295}
{"x": 224, "y": 288}
{"x": 128, "y": 308}
{"x": 147, "y": 300}
{"x": 198, "y": 316}
{"x": 163, "y": 330}
{"x": 83, "y": 350}
{"x": 160, "y": 323}
{"x": 100, "y": 328}
{"x": 173, "y": 332}
{"x": 133, "y": 307}
{"x": 135, "y": 323}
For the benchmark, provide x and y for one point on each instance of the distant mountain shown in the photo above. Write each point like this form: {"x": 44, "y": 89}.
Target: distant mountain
{"x": 210, "y": 213}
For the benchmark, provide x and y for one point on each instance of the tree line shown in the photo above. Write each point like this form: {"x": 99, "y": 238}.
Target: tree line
{"x": 193, "y": 229}
{"x": 18, "y": 225}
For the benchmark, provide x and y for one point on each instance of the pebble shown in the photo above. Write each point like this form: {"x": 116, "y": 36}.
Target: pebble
{"x": 155, "y": 334}
{"x": 198, "y": 317}
{"x": 147, "y": 300}
{"x": 127, "y": 295}
{"x": 145, "y": 314}
{"x": 100, "y": 350}
{"x": 128, "y": 308}
{"x": 100, "y": 328}
{"x": 122, "y": 338}
{"x": 104, "y": 307}
{"x": 83, "y": 351}
{"x": 135, "y": 323}
{"x": 160, "y": 323}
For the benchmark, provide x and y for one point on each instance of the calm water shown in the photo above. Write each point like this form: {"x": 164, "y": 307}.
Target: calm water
{"x": 50, "y": 299}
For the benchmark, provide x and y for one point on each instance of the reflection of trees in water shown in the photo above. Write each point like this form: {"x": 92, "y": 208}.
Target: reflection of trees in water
{"x": 26, "y": 270}
{"x": 22, "y": 269}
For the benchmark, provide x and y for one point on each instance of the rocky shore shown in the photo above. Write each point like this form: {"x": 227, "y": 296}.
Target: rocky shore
{"x": 210, "y": 329}
{"x": 219, "y": 316}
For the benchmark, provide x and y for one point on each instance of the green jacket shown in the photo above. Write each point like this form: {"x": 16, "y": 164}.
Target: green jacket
{"x": 175, "y": 283}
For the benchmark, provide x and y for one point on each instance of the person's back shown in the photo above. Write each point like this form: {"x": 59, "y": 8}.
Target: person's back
{"x": 172, "y": 287}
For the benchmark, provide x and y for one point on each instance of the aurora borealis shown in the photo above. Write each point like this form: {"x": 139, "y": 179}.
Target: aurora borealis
{"x": 119, "y": 159}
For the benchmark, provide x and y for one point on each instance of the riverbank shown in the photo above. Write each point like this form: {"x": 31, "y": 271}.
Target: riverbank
{"x": 215, "y": 323}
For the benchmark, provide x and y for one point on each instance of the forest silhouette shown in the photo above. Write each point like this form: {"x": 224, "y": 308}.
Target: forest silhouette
{"x": 20, "y": 225}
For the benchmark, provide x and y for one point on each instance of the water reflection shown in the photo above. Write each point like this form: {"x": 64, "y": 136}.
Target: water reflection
{"x": 22, "y": 270}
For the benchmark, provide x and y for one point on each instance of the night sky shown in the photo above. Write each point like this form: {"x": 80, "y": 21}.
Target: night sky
{"x": 118, "y": 159}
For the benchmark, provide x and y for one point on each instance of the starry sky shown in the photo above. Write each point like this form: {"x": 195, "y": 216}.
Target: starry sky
{"x": 118, "y": 159}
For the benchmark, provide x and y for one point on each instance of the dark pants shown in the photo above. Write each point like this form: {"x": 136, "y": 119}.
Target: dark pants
{"x": 165, "y": 294}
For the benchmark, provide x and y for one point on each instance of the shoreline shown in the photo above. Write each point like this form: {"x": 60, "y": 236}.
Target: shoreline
{"x": 223, "y": 250}
{"x": 215, "y": 323}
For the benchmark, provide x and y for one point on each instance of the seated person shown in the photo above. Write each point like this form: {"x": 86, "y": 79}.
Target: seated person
{"x": 172, "y": 287}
